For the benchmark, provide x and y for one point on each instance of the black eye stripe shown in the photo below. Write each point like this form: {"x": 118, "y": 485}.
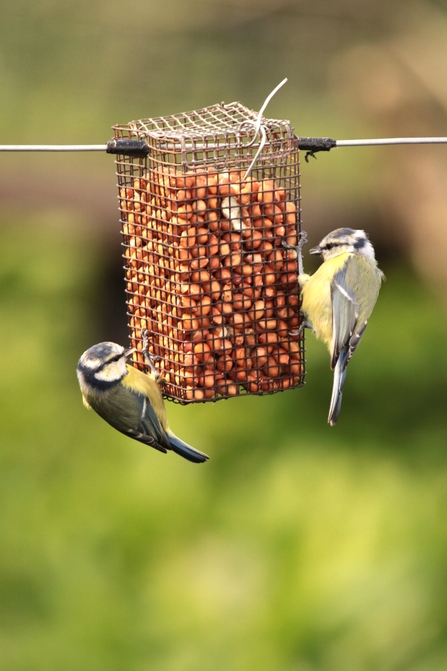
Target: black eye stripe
{"x": 117, "y": 357}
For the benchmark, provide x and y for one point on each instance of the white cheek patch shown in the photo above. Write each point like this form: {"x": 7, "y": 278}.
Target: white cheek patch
{"x": 112, "y": 372}
{"x": 368, "y": 250}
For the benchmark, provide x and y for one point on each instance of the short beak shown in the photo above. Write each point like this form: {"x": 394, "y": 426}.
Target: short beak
{"x": 128, "y": 352}
{"x": 315, "y": 250}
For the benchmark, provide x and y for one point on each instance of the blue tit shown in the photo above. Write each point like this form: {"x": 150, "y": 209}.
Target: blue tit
{"x": 337, "y": 300}
{"x": 129, "y": 400}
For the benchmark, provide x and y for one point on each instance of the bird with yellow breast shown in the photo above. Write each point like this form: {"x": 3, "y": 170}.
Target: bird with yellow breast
{"x": 337, "y": 300}
{"x": 129, "y": 400}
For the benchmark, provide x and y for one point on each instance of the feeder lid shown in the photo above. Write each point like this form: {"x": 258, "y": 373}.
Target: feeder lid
{"x": 220, "y": 119}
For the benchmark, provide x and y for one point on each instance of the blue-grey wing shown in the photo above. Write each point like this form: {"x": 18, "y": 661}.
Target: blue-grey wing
{"x": 149, "y": 429}
{"x": 150, "y": 432}
{"x": 345, "y": 312}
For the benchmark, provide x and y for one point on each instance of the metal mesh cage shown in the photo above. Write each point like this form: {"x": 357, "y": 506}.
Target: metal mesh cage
{"x": 207, "y": 271}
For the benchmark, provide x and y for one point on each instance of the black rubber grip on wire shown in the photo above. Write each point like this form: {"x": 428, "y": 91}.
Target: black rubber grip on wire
{"x": 313, "y": 144}
{"x": 128, "y": 147}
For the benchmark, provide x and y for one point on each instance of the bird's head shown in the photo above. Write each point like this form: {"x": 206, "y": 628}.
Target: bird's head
{"x": 102, "y": 366}
{"x": 344, "y": 241}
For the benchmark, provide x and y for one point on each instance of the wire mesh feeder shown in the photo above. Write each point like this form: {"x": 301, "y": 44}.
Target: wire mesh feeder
{"x": 206, "y": 269}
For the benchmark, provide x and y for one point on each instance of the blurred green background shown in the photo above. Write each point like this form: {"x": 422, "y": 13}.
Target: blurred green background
{"x": 298, "y": 547}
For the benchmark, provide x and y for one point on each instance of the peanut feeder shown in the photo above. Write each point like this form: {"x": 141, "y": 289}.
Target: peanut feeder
{"x": 208, "y": 264}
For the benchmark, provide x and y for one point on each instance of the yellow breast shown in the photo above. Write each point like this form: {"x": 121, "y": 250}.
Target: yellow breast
{"x": 316, "y": 296}
{"x": 144, "y": 384}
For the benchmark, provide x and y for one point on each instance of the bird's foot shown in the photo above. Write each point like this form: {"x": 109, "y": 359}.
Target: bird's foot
{"x": 304, "y": 325}
{"x": 149, "y": 359}
{"x": 302, "y": 240}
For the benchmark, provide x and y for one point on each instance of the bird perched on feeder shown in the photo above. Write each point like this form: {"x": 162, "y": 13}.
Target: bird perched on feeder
{"x": 337, "y": 300}
{"x": 129, "y": 400}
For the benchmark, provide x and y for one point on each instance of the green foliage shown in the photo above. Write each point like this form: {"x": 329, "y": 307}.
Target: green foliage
{"x": 297, "y": 547}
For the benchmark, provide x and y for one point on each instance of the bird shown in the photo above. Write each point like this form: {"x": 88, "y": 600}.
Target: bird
{"x": 128, "y": 399}
{"x": 338, "y": 299}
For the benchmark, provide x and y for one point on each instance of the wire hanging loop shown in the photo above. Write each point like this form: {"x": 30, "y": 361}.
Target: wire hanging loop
{"x": 259, "y": 128}
{"x": 263, "y": 132}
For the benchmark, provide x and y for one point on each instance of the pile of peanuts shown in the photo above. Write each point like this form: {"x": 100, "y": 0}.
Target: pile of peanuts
{"x": 208, "y": 274}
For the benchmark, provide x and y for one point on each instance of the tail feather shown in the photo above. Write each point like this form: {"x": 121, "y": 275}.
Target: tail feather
{"x": 337, "y": 387}
{"x": 186, "y": 451}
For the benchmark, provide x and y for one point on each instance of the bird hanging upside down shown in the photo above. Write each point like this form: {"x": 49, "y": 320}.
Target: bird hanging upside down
{"x": 129, "y": 400}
